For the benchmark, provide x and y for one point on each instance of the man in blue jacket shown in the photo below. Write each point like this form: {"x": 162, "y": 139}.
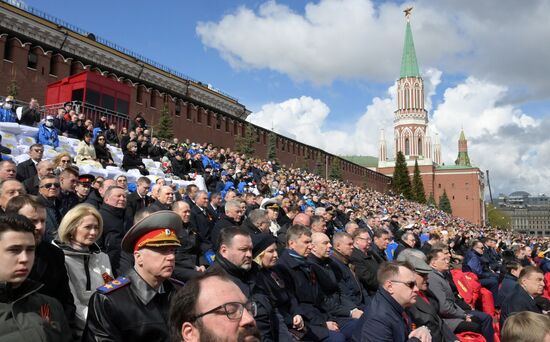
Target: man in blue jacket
{"x": 387, "y": 319}
{"x": 47, "y": 134}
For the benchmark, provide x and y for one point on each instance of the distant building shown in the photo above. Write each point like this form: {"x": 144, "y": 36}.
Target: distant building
{"x": 528, "y": 214}
{"x": 463, "y": 182}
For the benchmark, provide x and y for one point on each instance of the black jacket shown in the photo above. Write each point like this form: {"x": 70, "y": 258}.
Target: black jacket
{"x": 249, "y": 227}
{"x": 68, "y": 200}
{"x": 297, "y": 275}
{"x": 157, "y": 206}
{"x": 349, "y": 286}
{"x": 187, "y": 254}
{"x": 115, "y": 226}
{"x": 400, "y": 248}
{"x": 203, "y": 221}
{"x": 26, "y": 170}
{"x": 246, "y": 280}
{"x": 53, "y": 217}
{"x": 132, "y": 312}
{"x": 102, "y": 154}
{"x": 424, "y": 313}
{"x": 29, "y": 116}
{"x": 134, "y": 203}
{"x": 111, "y": 137}
{"x": 378, "y": 255}
{"x": 365, "y": 270}
{"x": 31, "y": 185}
{"x": 49, "y": 269}
{"x": 94, "y": 199}
{"x": 133, "y": 161}
{"x": 224, "y": 222}
{"x": 518, "y": 300}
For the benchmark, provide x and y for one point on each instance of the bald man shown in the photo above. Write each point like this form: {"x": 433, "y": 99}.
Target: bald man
{"x": 303, "y": 219}
{"x": 165, "y": 198}
{"x": 342, "y": 311}
{"x": 43, "y": 169}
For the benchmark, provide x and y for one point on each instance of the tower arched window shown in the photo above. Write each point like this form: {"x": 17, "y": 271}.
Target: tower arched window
{"x": 407, "y": 147}
{"x": 419, "y": 146}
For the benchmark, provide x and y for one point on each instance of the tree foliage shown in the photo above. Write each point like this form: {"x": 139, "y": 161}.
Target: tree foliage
{"x": 164, "y": 129}
{"x": 401, "y": 181}
{"x": 498, "y": 218}
{"x": 272, "y": 147}
{"x": 335, "y": 171}
{"x": 246, "y": 144}
{"x": 418, "y": 186}
{"x": 444, "y": 203}
{"x": 431, "y": 200}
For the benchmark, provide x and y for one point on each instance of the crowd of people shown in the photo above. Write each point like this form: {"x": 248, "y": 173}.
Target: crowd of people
{"x": 259, "y": 252}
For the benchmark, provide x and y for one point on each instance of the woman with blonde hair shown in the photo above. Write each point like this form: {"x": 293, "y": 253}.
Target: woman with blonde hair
{"x": 62, "y": 161}
{"x": 88, "y": 268}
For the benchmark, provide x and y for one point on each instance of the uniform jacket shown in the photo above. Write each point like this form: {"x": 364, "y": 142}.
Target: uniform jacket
{"x": 87, "y": 270}
{"x": 47, "y": 136}
{"x": 427, "y": 313}
{"x": 26, "y": 170}
{"x": 133, "y": 312}
{"x": 518, "y": 300}
{"x": 365, "y": 270}
{"x": 26, "y": 315}
{"x": 384, "y": 321}
{"x": 449, "y": 310}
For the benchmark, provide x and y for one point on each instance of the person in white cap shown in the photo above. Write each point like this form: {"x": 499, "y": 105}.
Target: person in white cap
{"x": 47, "y": 134}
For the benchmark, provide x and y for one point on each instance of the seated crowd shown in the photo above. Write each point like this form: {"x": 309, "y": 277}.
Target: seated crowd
{"x": 257, "y": 252}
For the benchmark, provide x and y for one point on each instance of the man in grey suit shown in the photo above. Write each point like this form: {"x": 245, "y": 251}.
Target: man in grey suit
{"x": 458, "y": 319}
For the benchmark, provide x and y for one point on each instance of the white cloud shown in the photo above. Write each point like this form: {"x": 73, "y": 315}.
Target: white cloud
{"x": 511, "y": 144}
{"x": 502, "y": 41}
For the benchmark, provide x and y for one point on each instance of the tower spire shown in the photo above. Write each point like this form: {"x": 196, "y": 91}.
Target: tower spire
{"x": 463, "y": 159}
{"x": 409, "y": 65}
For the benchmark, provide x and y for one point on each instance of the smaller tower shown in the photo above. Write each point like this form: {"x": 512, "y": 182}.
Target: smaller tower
{"x": 382, "y": 150}
{"x": 463, "y": 159}
{"x": 437, "y": 150}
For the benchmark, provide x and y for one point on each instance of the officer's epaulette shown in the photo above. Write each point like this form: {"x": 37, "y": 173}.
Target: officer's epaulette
{"x": 113, "y": 285}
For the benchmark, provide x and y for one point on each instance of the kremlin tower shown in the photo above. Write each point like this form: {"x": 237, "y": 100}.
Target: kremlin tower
{"x": 463, "y": 182}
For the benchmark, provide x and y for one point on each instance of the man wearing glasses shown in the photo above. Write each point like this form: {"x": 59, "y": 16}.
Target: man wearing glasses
{"x": 27, "y": 169}
{"x": 49, "y": 197}
{"x": 135, "y": 307}
{"x": 475, "y": 262}
{"x": 387, "y": 318}
{"x": 212, "y": 308}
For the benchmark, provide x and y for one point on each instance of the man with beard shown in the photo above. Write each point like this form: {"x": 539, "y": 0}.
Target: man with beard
{"x": 212, "y": 308}
{"x": 135, "y": 307}
{"x": 234, "y": 257}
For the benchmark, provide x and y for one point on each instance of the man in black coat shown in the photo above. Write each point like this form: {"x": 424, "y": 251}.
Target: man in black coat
{"x": 234, "y": 257}
{"x": 95, "y": 198}
{"x": 296, "y": 272}
{"x": 364, "y": 263}
{"x": 530, "y": 285}
{"x": 202, "y": 219}
{"x": 49, "y": 198}
{"x": 30, "y": 115}
{"x": 187, "y": 255}
{"x": 339, "y": 305}
{"x": 257, "y": 222}
{"x": 138, "y": 199}
{"x": 67, "y": 196}
{"x": 231, "y": 218}
{"x": 407, "y": 241}
{"x": 165, "y": 198}
{"x": 27, "y": 169}
{"x": 115, "y": 225}
{"x": 344, "y": 270}
{"x": 380, "y": 242}
{"x": 49, "y": 261}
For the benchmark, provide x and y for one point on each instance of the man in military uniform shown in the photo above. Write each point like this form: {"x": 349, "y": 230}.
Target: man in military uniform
{"x": 135, "y": 307}
{"x": 25, "y": 314}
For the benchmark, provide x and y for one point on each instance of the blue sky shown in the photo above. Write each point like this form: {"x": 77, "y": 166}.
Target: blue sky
{"x": 331, "y": 64}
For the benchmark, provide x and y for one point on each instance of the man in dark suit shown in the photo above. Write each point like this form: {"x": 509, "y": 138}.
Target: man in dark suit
{"x": 202, "y": 219}
{"x": 43, "y": 168}
{"x": 138, "y": 199}
{"x": 364, "y": 263}
{"x": 380, "y": 243}
{"x": 27, "y": 169}
{"x": 530, "y": 285}
{"x": 407, "y": 241}
{"x": 426, "y": 309}
{"x": 387, "y": 318}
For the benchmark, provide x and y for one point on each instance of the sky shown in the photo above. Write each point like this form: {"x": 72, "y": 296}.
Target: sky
{"x": 323, "y": 72}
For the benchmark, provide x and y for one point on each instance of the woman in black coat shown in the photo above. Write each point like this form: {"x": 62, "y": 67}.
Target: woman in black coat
{"x": 102, "y": 152}
{"x": 131, "y": 159}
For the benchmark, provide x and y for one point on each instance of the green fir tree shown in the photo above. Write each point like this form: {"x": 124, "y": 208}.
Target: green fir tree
{"x": 401, "y": 181}
{"x": 335, "y": 171}
{"x": 246, "y": 144}
{"x": 272, "y": 146}
{"x": 444, "y": 203}
{"x": 431, "y": 200}
{"x": 164, "y": 128}
{"x": 417, "y": 185}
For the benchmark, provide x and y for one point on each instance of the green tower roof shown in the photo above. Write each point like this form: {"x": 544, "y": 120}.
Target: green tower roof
{"x": 409, "y": 65}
